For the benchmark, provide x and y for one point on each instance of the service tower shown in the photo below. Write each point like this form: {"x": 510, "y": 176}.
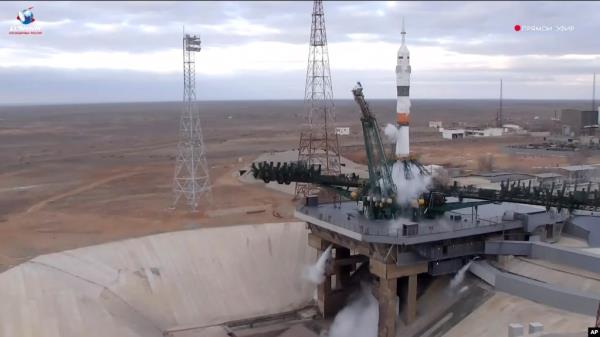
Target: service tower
{"x": 403, "y": 103}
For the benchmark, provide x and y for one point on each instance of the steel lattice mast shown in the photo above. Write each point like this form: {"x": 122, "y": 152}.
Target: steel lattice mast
{"x": 318, "y": 139}
{"x": 191, "y": 179}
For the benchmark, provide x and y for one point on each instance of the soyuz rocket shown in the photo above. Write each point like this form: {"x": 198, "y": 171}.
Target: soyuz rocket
{"x": 403, "y": 99}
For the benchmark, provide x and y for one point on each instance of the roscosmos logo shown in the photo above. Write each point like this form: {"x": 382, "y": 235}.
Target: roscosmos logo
{"x": 27, "y": 26}
{"x": 25, "y": 16}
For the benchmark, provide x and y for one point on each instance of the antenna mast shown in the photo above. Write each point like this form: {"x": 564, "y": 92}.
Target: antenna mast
{"x": 594, "y": 93}
{"x": 499, "y": 114}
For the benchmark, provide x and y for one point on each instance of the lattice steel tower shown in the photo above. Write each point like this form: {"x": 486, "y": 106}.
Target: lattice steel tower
{"x": 318, "y": 139}
{"x": 191, "y": 179}
{"x": 499, "y": 117}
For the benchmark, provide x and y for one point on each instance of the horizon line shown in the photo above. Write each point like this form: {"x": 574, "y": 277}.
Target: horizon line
{"x": 283, "y": 99}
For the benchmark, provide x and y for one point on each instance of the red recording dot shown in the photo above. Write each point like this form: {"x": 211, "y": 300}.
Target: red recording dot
{"x": 517, "y": 28}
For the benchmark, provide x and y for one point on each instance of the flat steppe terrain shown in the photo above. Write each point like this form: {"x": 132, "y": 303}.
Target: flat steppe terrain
{"x": 77, "y": 175}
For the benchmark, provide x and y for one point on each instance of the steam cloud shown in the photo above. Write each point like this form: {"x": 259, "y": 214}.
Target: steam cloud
{"x": 391, "y": 132}
{"x": 316, "y": 273}
{"x": 409, "y": 189}
{"x": 460, "y": 275}
{"x": 359, "y": 318}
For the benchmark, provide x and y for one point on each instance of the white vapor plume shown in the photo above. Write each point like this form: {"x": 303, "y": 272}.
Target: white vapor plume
{"x": 460, "y": 275}
{"x": 316, "y": 273}
{"x": 409, "y": 189}
{"x": 359, "y": 318}
{"x": 390, "y": 131}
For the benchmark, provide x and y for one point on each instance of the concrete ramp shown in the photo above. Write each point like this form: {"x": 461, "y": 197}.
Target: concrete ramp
{"x": 167, "y": 282}
{"x": 586, "y": 227}
{"x": 576, "y": 258}
{"x": 581, "y": 302}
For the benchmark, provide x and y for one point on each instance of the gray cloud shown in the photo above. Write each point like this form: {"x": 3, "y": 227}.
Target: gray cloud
{"x": 426, "y": 21}
{"x": 484, "y": 28}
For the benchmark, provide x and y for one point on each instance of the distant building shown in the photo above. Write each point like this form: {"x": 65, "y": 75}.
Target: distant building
{"x": 452, "y": 133}
{"x": 511, "y": 127}
{"x": 435, "y": 124}
{"x": 578, "y": 120}
{"x": 433, "y": 168}
{"x": 488, "y": 132}
{"x": 589, "y": 140}
{"x": 548, "y": 178}
{"x": 576, "y": 174}
{"x": 493, "y": 180}
{"x": 562, "y": 140}
{"x": 462, "y": 133}
{"x": 539, "y": 133}
{"x": 566, "y": 131}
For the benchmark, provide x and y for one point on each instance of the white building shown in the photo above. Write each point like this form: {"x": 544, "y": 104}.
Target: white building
{"x": 489, "y": 132}
{"x": 452, "y": 133}
{"x": 435, "y": 124}
{"x": 462, "y": 133}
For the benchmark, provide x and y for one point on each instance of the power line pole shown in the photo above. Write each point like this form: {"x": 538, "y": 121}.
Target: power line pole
{"x": 499, "y": 113}
{"x": 191, "y": 179}
{"x": 594, "y": 93}
{"x": 318, "y": 139}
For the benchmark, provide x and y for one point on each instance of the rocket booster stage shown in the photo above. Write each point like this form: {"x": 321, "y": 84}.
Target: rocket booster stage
{"x": 403, "y": 99}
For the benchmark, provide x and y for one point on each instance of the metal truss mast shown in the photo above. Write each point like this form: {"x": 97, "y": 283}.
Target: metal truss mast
{"x": 191, "y": 179}
{"x": 318, "y": 140}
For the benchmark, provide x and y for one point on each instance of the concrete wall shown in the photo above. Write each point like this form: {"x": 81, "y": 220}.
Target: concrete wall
{"x": 145, "y": 286}
{"x": 567, "y": 299}
{"x": 576, "y": 231}
{"x": 537, "y": 219}
{"x": 566, "y": 256}
{"x": 544, "y": 251}
{"x": 484, "y": 271}
{"x": 586, "y": 227}
{"x": 508, "y": 248}
{"x": 585, "y": 303}
{"x": 571, "y": 300}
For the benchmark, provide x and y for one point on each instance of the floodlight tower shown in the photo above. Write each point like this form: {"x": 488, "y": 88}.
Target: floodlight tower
{"x": 191, "y": 179}
{"x": 318, "y": 138}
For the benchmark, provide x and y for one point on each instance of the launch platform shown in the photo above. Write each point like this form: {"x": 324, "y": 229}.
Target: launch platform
{"x": 389, "y": 250}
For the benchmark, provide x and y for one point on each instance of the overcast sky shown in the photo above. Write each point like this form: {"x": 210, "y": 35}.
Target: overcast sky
{"x": 131, "y": 51}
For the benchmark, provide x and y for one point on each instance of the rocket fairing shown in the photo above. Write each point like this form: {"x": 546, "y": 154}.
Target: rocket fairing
{"x": 403, "y": 99}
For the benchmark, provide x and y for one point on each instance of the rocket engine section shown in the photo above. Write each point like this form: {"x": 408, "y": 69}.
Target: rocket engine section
{"x": 403, "y": 99}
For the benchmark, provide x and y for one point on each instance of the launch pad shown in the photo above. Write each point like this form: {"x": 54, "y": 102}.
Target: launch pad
{"x": 399, "y": 222}
{"x": 386, "y": 251}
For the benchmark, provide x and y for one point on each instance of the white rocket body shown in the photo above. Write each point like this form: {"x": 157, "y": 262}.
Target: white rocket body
{"x": 403, "y": 99}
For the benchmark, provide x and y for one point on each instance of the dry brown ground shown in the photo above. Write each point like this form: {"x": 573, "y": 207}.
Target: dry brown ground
{"x": 72, "y": 176}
